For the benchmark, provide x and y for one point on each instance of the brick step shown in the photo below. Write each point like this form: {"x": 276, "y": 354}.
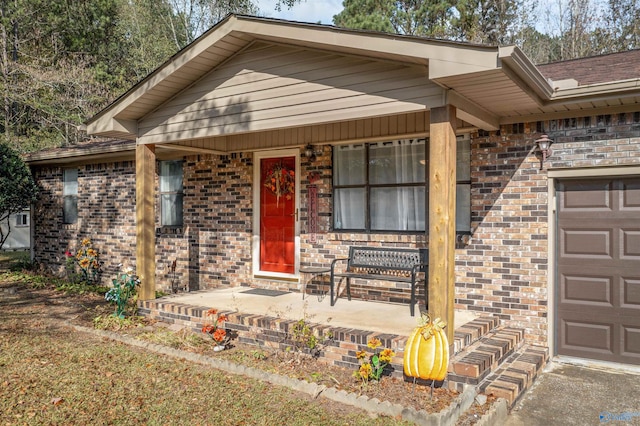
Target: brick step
{"x": 470, "y": 332}
{"x": 516, "y": 374}
{"x": 476, "y": 361}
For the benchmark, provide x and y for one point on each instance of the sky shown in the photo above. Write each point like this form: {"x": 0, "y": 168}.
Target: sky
{"x": 306, "y": 11}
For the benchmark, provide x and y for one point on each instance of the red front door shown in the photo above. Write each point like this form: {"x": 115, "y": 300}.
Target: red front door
{"x": 277, "y": 214}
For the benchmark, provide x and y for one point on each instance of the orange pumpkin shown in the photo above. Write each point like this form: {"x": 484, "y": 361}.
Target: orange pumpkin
{"x": 426, "y": 354}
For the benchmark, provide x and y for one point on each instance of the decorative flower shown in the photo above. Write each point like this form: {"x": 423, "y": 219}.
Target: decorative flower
{"x": 219, "y": 335}
{"x": 373, "y": 367}
{"x": 365, "y": 370}
{"x": 386, "y": 355}
{"x": 88, "y": 259}
{"x": 123, "y": 292}
{"x": 374, "y": 343}
{"x": 215, "y": 327}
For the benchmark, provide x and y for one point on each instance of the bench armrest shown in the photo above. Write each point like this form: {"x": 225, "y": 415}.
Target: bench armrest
{"x": 417, "y": 268}
{"x": 332, "y": 278}
{"x": 334, "y": 261}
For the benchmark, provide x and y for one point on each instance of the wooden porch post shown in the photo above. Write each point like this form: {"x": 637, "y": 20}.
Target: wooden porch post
{"x": 145, "y": 221}
{"x": 442, "y": 215}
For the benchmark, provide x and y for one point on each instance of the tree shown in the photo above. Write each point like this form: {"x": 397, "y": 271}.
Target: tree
{"x": 573, "y": 26}
{"x": 622, "y": 26}
{"x": 60, "y": 62}
{"x": 539, "y": 47}
{"x": 489, "y": 21}
{"x": 17, "y": 187}
{"x": 151, "y": 33}
{"x": 408, "y": 17}
{"x": 479, "y": 21}
{"x": 371, "y": 15}
{"x": 194, "y": 17}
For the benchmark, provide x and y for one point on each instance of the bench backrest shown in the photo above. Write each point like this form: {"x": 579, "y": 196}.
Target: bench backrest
{"x": 387, "y": 259}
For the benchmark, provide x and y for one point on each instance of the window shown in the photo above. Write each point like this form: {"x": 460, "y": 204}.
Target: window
{"x": 463, "y": 186}
{"x": 171, "y": 193}
{"x": 22, "y": 220}
{"x": 383, "y": 186}
{"x": 70, "y": 196}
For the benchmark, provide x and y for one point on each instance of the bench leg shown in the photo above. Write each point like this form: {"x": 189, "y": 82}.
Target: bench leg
{"x": 412, "y": 304}
{"x": 331, "y": 300}
{"x": 348, "y": 289}
{"x": 426, "y": 295}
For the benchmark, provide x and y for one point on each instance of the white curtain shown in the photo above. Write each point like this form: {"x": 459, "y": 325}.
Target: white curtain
{"x": 171, "y": 192}
{"x": 399, "y": 208}
{"x": 396, "y": 203}
{"x": 70, "y": 196}
{"x": 350, "y": 203}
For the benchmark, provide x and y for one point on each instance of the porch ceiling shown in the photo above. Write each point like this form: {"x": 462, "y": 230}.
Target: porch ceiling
{"x": 488, "y": 85}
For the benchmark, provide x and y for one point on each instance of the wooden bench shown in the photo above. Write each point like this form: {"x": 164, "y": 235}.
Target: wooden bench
{"x": 381, "y": 263}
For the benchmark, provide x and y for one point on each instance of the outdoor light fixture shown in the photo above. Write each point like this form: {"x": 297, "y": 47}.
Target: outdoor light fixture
{"x": 310, "y": 153}
{"x": 544, "y": 146}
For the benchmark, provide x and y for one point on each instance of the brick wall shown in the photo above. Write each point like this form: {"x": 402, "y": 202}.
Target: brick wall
{"x": 503, "y": 270}
{"x": 106, "y": 214}
{"x": 218, "y": 219}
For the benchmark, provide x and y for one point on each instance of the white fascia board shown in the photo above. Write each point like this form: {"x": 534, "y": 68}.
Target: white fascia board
{"x": 518, "y": 63}
{"x": 611, "y": 89}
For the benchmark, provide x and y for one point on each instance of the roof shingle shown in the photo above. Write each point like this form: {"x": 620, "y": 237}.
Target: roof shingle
{"x": 596, "y": 69}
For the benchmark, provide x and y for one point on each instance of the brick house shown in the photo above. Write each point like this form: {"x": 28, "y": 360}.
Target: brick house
{"x": 383, "y": 140}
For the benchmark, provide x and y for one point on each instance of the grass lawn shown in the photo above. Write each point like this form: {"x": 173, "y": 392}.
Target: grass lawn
{"x": 9, "y": 258}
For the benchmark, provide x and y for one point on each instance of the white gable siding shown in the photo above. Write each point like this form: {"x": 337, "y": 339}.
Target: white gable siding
{"x": 270, "y": 87}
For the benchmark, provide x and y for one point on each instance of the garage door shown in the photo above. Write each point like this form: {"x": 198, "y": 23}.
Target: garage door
{"x": 598, "y": 261}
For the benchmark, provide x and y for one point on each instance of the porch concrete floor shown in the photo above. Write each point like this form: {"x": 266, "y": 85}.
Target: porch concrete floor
{"x": 363, "y": 315}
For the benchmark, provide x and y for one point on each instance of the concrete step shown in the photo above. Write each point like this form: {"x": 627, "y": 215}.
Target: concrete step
{"x": 475, "y": 362}
{"x": 516, "y": 374}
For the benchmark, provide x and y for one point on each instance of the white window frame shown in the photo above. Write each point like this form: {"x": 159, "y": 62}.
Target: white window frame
{"x": 69, "y": 195}
{"x": 22, "y": 220}
{"x": 179, "y": 194}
